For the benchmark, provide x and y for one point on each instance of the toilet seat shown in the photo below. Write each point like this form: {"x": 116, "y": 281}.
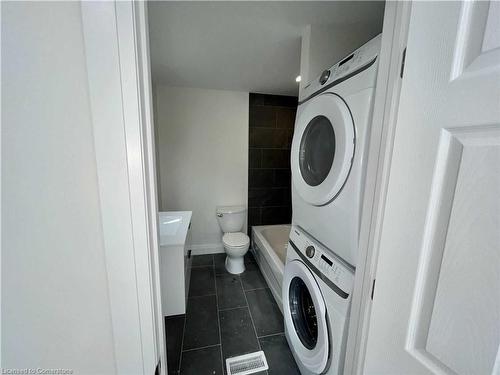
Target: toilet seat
{"x": 235, "y": 239}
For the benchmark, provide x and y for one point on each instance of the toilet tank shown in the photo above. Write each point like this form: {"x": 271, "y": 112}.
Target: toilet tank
{"x": 231, "y": 218}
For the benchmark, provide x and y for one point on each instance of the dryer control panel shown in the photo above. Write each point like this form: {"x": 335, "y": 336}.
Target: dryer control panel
{"x": 361, "y": 59}
{"x": 319, "y": 258}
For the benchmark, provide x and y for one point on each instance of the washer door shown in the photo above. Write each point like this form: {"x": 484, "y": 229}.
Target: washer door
{"x": 322, "y": 148}
{"x": 304, "y": 312}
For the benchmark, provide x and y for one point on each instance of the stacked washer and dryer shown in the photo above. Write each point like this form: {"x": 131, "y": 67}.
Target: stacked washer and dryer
{"x": 328, "y": 159}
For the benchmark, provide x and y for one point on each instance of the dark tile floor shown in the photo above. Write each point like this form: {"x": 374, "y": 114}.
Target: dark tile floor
{"x": 227, "y": 315}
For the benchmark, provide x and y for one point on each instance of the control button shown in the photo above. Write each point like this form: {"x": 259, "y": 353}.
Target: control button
{"x": 324, "y": 77}
{"x": 310, "y": 251}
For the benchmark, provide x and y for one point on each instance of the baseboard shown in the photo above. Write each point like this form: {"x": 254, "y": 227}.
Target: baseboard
{"x": 202, "y": 249}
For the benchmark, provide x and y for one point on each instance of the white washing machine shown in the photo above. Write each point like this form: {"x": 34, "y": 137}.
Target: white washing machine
{"x": 317, "y": 288}
{"x": 329, "y": 151}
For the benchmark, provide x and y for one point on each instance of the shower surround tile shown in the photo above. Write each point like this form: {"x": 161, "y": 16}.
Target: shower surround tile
{"x": 271, "y": 124}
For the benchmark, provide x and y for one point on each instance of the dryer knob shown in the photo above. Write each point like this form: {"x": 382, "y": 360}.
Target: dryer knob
{"x": 324, "y": 77}
{"x": 310, "y": 251}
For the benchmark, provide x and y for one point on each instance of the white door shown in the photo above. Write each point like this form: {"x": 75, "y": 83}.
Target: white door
{"x": 322, "y": 148}
{"x": 436, "y": 307}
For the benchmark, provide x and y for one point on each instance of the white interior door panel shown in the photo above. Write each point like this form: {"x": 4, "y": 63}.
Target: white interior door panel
{"x": 436, "y": 307}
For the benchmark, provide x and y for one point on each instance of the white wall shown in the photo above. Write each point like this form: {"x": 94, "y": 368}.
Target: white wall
{"x": 55, "y": 305}
{"x": 203, "y": 155}
{"x": 324, "y": 45}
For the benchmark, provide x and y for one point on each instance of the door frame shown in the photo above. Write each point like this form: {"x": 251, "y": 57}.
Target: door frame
{"x": 389, "y": 79}
{"x": 117, "y": 54}
{"x": 145, "y": 93}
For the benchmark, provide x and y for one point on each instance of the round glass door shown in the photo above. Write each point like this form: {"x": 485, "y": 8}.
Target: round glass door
{"x": 317, "y": 150}
{"x": 303, "y": 313}
{"x": 322, "y": 148}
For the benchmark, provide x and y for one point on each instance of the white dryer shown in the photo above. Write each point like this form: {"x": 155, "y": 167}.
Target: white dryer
{"x": 329, "y": 151}
{"x": 316, "y": 293}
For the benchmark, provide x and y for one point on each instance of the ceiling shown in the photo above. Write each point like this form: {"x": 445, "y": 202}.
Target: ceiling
{"x": 251, "y": 46}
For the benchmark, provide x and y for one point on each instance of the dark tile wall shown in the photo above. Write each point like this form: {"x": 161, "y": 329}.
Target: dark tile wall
{"x": 271, "y": 123}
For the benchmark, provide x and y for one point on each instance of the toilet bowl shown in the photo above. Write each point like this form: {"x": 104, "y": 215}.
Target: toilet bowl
{"x": 236, "y": 243}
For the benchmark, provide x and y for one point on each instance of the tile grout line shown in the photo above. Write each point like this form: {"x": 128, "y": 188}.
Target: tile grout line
{"x": 218, "y": 316}
{"x": 272, "y": 334}
{"x": 251, "y": 290}
{"x": 204, "y": 295}
{"x": 201, "y": 347}
{"x": 185, "y": 320}
{"x": 233, "y": 308}
{"x": 202, "y": 265}
{"x": 250, "y": 313}
{"x": 182, "y": 341}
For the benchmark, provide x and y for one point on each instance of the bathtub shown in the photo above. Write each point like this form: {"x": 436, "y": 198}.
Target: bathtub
{"x": 269, "y": 244}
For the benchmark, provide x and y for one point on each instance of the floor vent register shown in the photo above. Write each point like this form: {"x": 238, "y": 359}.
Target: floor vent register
{"x": 247, "y": 364}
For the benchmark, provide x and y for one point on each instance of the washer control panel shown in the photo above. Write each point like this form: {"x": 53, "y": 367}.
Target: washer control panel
{"x": 323, "y": 259}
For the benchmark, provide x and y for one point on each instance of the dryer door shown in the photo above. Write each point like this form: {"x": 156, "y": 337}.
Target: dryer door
{"x": 304, "y": 312}
{"x": 322, "y": 148}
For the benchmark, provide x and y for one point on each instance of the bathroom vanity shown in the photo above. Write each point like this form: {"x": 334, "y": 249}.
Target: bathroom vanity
{"x": 175, "y": 267}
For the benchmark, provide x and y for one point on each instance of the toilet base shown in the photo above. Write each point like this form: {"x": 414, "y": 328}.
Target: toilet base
{"x": 235, "y": 265}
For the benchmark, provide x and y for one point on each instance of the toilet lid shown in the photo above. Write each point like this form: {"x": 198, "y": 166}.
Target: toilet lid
{"x": 236, "y": 239}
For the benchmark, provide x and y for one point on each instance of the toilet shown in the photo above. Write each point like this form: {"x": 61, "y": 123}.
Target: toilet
{"x": 236, "y": 243}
